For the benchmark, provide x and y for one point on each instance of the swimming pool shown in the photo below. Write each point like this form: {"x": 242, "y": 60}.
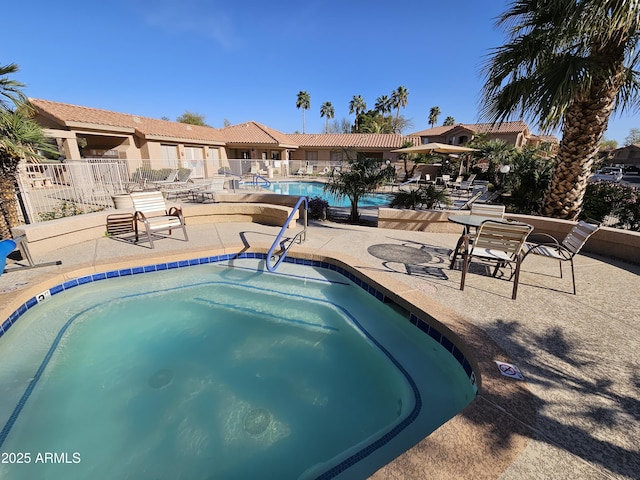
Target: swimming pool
{"x": 198, "y": 386}
{"x": 316, "y": 189}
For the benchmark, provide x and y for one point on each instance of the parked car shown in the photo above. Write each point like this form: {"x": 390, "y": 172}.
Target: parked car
{"x": 608, "y": 174}
{"x": 632, "y": 169}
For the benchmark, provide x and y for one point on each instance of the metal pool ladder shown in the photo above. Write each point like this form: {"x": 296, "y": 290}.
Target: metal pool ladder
{"x": 284, "y": 246}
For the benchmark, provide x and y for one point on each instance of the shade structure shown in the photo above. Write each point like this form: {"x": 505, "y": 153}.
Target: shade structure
{"x": 435, "y": 148}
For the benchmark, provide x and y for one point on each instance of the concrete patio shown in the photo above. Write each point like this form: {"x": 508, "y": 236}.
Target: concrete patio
{"x": 576, "y": 414}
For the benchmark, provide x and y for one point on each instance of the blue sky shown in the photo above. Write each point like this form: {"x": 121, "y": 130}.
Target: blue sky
{"x": 247, "y": 60}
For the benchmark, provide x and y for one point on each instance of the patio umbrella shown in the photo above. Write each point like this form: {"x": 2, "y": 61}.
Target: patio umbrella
{"x": 435, "y": 148}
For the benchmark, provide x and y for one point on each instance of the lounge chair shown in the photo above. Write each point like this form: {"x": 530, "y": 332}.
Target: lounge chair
{"x": 547, "y": 246}
{"x": 456, "y": 183}
{"x": 498, "y": 242}
{"x": 415, "y": 179}
{"x": 171, "y": 177}
{"x": 151, "y": 211}
{"x": 8, "y": 246}
{"x": 208, "y": 190}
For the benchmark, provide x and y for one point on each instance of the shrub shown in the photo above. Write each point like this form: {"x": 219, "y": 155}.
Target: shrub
{"x": 618, "y": 202}
{"x": 318, "y": 208}
{"x": 425, "y": 196}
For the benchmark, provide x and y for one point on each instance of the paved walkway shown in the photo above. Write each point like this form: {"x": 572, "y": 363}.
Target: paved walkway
{"x": 576, "y": 415}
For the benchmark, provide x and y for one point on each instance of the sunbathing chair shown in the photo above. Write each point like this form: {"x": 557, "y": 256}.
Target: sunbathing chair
{"x": 415, "y": 179}
{"x": 547, "y": 246}
{"x": 151, "y": 211}
{"x": 168, "y": 180}
{"x": 498, "y": 242}
{"x": 8, "y": 246}
{"x": 216, "y": 185}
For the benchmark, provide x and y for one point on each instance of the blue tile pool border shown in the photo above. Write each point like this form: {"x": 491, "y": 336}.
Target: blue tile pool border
{"x": 422, "y": 324}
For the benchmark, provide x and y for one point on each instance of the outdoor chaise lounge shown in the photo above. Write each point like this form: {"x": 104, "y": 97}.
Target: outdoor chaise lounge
{"x": 216, "y": 185}
{"x": 499, "y": 242}
{"x": 8, "y": 246}
{"x": 151, "y": 211}
{"x": 547, "y": 246}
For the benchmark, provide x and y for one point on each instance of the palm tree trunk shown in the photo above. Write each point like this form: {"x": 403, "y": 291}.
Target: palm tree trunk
{"x": 8, "y": 206}
{"x": 584, "y": 125}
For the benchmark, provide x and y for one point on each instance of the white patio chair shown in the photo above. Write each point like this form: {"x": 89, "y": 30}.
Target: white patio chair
{"x": 151, "y": 211}
{"x": 496, "y": 242}
{"x": 547, "y": 246}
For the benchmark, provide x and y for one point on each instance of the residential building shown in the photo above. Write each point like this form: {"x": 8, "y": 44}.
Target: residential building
{"x": 516, "y": 133}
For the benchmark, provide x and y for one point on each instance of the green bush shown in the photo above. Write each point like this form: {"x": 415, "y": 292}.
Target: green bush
{"x": 425, "y": 196}
{"x": 318, "y": 208}
{"x": 618, "y": 202}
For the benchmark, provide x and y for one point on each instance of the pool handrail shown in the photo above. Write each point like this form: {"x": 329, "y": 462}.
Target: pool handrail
{"x": 302, "y": 236}
{"x": 257, "y": 178}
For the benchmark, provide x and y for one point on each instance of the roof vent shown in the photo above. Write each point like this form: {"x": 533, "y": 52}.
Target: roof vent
{"x": 189, "y": 127}
{"x": 137, "y": 119}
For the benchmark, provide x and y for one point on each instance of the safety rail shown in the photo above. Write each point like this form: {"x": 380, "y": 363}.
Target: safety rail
{"x": 258, "y": 178}
{"x": 284, "y": 248}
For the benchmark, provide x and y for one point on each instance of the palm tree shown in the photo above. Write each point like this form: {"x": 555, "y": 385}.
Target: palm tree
{"x": 304, "y": 102}
{"x": 399, "y": 99}
{"x": 20, "y": 138}
{"x": 357, "y": 105}
{"x": 496, "y": 153}
{"x": 327, "y": 111}
{"x": 449, "y": 122}
{"x": 10, "y": 89}
{"x": 363, "y": 175}
{"x": 383, "y": 104}
{"x": 433, "y": 116}
{"x": 567, "y": 64}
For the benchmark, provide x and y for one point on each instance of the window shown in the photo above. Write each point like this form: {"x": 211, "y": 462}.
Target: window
{"x": 170, "y": 155}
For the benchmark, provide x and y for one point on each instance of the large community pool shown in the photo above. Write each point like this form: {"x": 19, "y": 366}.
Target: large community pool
{"x": 316, "y": 189}
{"x": 220, "y": 370}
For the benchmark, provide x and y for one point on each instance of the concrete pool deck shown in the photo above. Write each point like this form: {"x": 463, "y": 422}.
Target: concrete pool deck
{"x": 575, "y": 415}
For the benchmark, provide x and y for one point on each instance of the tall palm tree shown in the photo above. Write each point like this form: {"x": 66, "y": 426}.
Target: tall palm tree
{"x": 10, "y": 89}
{"x": 357, "y": 105}
{"x": 399, "y": 99}
{"x": 568, "y": 64}
{"x": 383, "y": 104}
{"x": 327, "y": 111}
{"x": 449, "y": 122}
{"x": 433, "y": 116}
{"x": 303, "y": 102}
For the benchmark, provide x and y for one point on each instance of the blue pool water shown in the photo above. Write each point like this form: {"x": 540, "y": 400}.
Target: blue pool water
{"x": 220, "y": 371}
{"x": 316, "y": 189}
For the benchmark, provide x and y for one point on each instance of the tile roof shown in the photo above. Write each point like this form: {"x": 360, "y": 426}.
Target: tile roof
{"x": 347, "y": 140}
{"x": 255, "y": 133}
{"x": 67, "y": 114}
{"x": 505, "y": 127}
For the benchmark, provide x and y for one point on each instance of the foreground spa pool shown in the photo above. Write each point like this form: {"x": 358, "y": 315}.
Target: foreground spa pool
{"x": 219, "y": 370}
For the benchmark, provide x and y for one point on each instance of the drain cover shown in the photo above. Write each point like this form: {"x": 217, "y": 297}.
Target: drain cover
{"x": 161, "y": 378}
{"x": 257, "y": 421}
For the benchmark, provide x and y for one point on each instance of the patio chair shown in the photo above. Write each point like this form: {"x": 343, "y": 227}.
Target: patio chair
{"x": 564, "y": 251}
{"x": 485, "y": 210}
{"x": 414, "y": 179}
{"x": 151, "y": 211}
{"x": 8, "y": 246}
{"x": 498, "y": 242}
{"x": 208, "y": 190}
{"x": 171, "y": 177}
